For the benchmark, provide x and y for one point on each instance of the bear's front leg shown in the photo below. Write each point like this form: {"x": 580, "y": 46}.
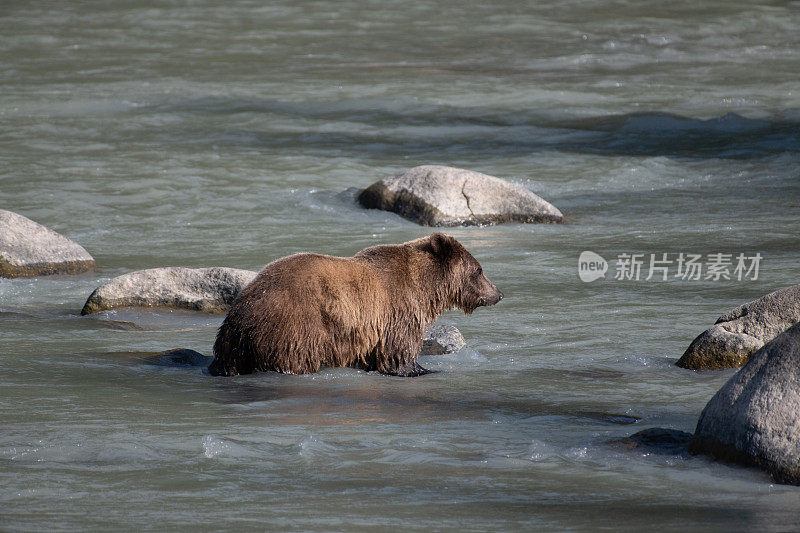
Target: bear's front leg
{"x": 404, "y": 363}
{"x": 400, "y": 354}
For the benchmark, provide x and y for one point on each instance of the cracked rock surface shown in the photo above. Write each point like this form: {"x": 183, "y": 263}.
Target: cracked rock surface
{"x": 737, "y": 334}
{"x": 446, "y": 196}
{"x": 28, "y": 249}
{"x": 753, "y": 419}
{"x": 211, "y": 290}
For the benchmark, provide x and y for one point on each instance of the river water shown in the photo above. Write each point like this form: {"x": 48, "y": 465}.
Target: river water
{"x": 215, "y": 134}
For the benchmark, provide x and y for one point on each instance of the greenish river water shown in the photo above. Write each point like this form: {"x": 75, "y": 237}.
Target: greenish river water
{"x": 230, "y": 134}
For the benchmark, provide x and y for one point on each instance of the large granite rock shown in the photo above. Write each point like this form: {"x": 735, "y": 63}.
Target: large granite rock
{"x": 441, "y": 339}
{"x": 737, "y": 334}
{"x": 447, "y": 196}
{"x": 211, "y": 290}
{"x": 28, "y": 250}
{"x": 754, "y": 419}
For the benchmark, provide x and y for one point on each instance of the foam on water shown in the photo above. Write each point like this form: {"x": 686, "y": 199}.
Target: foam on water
{"x": 214, "y": 446}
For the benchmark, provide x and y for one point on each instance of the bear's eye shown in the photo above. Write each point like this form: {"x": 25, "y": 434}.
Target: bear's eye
{"x": 479, "y": 272}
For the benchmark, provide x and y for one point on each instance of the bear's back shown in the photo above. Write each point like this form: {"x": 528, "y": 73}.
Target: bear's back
{"x": 309, "y": 278}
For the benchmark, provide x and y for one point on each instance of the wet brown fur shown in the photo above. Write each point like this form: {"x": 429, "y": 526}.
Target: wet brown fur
{"x": 368, "y": 311}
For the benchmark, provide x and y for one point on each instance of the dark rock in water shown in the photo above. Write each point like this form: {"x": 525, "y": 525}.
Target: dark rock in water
{"x": 446, "y": 196}
{"x": 737, "y": 334}
{"x": 211, "y": 290}
{"x": 754, "y": 419}
{"x": 657, "y": 440}
{"x": 117, "y": 325}
{"x": 28, "y": 250}
{"x": 618, "y": 418}
{"x": 441, "y": 339}
{"x": 610, "y": 418}
{"x": 183, "y": 357}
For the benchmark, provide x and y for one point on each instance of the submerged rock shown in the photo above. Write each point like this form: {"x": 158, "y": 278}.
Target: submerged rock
{"x": 446, "y": 196}
{"x": 28, "y": 250}
{"x": 117, "y": 325}
{"x": 211, "y": 290}
{"x": 441, "y": 339}
{"x": 657, "y": 440}
{"x": 754, "y": 419}
{"x": 737, "y": 334}
{"x": 182, "y": 357}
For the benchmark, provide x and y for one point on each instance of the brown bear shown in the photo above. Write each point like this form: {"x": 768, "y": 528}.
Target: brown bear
{"x": 368, "y": 311}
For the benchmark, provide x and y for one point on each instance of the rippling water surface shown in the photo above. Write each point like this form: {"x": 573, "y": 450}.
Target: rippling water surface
{"x": 205, "y": 134}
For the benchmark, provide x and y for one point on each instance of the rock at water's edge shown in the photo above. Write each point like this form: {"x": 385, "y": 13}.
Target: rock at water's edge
{"x": 28, "y": 250}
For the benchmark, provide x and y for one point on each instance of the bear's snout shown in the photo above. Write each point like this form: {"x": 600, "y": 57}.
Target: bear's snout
{"x": 493, "y": 297}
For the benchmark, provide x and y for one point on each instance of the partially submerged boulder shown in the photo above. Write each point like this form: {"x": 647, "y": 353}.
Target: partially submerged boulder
{"x": 440, "y": 339}
{"x": 28, "y": 250}
{"x": 737, "y": 334}
{"x": 754, "y": 419}
{"x": 446, "y": 196}
{"x": 182, "y": 357}
{"x": 211, "y": 290}
{"x": 664, "y": 441}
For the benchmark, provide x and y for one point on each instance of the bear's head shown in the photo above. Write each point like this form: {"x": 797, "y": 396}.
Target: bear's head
{"x": 467, "y": 286}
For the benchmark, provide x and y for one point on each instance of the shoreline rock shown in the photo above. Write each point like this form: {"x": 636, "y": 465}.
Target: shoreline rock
{"x": 210, "y": 290}
{"x": 740, "y": 332}
{"x": 754, "y": 419}
{"x": 446, "y": 196}
{"x": 29, "y": 250}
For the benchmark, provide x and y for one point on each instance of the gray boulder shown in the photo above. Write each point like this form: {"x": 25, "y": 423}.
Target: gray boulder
{"x": 441, "y": 339}
{"x": 754, "y": 419}
{"x": 446, "y": 196}
{"x": 737, "y": 334}
{"x": 28, "y": 250}
{"x": 211, "y": 290}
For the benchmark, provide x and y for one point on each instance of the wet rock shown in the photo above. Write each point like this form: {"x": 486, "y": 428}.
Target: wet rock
{"x": 446, "y": 196}
{"x": 754, "y": 419}
{"x": 441, "y": 339}
{"x": 183, "y": 357}
{"x": 737, "y": 334}
{"x": 211, "y": 290}
{"x": 657, "y": 440}
{"x": 611, "y": 418}
{"x": 28, "y": 250}
{"x": 118, "y": 325}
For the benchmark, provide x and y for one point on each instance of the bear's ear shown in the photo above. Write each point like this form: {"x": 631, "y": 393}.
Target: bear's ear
{"x": 442, "y": 245}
